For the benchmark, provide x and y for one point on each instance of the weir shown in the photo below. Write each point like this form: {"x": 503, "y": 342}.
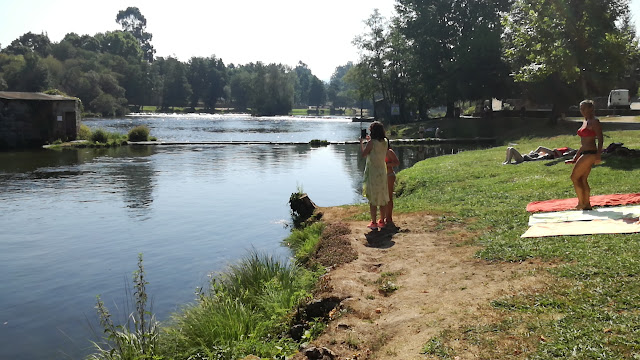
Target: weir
{"x": 430, "y": 141}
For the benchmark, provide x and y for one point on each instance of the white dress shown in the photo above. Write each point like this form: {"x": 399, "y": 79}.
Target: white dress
{"x": 375, "y": 186}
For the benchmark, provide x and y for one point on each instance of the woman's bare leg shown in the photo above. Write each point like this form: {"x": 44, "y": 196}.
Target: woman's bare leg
{"x": 391, "y": 180}
{"x": 383, "y": 212}
{"x": 372, "y": 211}
{"x": 579, "y": 176}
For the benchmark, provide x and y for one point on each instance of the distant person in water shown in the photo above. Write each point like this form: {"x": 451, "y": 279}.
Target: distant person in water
{"x": 541, "y": 153}
{"x": 392, "y": 161}
{"x": 588, "y": 154}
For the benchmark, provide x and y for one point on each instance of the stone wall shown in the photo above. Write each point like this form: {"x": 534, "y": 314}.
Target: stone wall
{"x": 33, "y": 123}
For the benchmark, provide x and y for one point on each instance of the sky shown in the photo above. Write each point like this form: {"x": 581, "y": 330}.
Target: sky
{"x": 318, "y": 33}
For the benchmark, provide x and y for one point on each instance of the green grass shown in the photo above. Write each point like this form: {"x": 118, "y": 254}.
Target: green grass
{"x": 387, "y": 282}
{"x": 304, "y": 241}
{"x": 435, "y": 347}
{"x": 597, "y": 309}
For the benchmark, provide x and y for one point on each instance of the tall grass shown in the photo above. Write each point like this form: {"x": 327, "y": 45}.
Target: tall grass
{"x": 101, "y": 137}
{"x": 304, "y": 241}
{"x": 594, "y": 313}
{"x": 245, "y": 311}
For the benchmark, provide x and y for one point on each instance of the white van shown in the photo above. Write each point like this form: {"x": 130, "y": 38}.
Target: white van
{"x": 619, "y": 99}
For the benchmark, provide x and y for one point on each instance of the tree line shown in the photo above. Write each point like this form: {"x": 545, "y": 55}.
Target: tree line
{"x": 441, "y": 52}
{"x": 431, "y": 53}
{"x": 115, "y": 71}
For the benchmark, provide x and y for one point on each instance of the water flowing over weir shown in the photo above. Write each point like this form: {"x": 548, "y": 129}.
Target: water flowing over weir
{"x": 74, "y": 220}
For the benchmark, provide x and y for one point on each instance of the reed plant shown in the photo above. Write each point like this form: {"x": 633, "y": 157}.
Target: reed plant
{"x": 593, "y": 314}
{"x": 138, "y": 337}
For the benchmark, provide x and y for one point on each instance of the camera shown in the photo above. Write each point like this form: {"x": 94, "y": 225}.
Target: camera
{"x": 363, "y": 133}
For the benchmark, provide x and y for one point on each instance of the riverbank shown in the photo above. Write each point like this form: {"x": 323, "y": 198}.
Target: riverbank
{"x": 457, "y": 281}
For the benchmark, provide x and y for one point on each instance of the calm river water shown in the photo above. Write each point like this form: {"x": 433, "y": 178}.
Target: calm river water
{"x": 74, "y": 221}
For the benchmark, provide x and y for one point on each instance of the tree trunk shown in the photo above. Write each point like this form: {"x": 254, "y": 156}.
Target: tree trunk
{"x": 450, "y": 110}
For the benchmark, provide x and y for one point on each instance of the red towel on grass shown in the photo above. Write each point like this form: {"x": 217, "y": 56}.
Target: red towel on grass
{"x": 598, "y": 200}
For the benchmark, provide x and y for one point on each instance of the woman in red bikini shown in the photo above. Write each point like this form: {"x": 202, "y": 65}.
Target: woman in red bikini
{"x": 588, "y": 154}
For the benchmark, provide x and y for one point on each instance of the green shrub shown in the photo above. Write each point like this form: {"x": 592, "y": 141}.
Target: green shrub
{"x": 100, "y": 136}
{"x": 139, "y": 133}
{"x": 84, "y": 133}
{"x": 317, "y": 142}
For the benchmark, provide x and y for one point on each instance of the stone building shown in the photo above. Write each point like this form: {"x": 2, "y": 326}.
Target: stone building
{"x": 34, "y": 119}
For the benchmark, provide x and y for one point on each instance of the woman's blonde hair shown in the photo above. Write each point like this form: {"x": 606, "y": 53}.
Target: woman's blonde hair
{"x": 588, "y": 103}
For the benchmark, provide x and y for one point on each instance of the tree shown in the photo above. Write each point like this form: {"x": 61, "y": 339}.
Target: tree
{"x": 133, "y": 22}
{"x": 271, "y": 89}
{"x": 30, "y": 42}
{"x": 139, "y": 84}
{"x": 302, "y": 85}
{"x": 569, "y": 49}
{"x": 197, "y": 78}
{"x": 317, "y": 93}
{"x": 176, "y": 90}
{"x": 216, "y": 82}
{"x": 363, "y": 83}
{"x": 26, "y": 73}
{"x": 120, "y": 43}
{"x": 457, "y": 48}
{"x": 240, "y": 83}
{"x": 338, "y": 91}
{"x": 384, "y": 51}
{"x": 207, "y": 79}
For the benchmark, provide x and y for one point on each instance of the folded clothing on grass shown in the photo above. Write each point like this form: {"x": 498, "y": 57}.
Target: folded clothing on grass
{"x": 602, "y": 213}
{"x": 598, "y": 200}
{"x": 622, "y": 226}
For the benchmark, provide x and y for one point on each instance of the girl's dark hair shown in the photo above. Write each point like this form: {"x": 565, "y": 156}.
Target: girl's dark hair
{"x": 377, "y": 130}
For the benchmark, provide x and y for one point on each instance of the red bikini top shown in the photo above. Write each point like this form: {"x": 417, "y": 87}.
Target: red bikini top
{"x": 586, "y": 132}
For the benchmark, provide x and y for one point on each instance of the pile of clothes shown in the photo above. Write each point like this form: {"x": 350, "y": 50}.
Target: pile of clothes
{"x": 618, "y": 149}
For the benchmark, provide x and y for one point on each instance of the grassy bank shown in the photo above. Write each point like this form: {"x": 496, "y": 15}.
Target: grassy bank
{"x": 254, "y": 307}
{"x": 592, "y": 310}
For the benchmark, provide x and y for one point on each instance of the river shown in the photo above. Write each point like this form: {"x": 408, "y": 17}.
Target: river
{"x": 74, "y": 221}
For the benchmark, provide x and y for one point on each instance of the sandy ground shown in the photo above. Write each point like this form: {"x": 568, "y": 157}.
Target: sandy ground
{"x": 441, "y": 286}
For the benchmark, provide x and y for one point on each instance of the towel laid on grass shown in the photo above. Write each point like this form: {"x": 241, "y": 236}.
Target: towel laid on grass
{"x": 623, "y": 226}
{"x": 598, "y": 200}
{"x": 602, "y": 213}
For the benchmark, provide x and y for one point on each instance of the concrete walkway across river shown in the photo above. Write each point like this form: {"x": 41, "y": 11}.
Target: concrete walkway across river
{"x": 430, "y": 141}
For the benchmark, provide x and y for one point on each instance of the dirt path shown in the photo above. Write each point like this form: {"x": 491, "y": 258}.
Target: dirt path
{"x": 441, "y": 286}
